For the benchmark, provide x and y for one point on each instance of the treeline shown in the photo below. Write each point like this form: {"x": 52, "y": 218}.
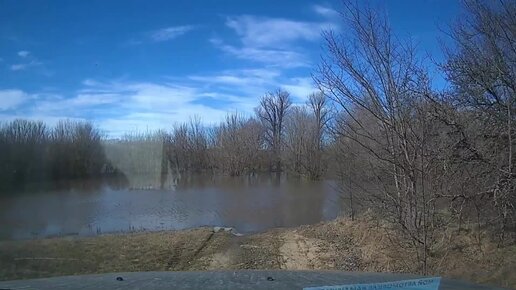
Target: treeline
{"x": 280, "y": 137}
{"x": 426, "y": 163}
{"x": 32, "y": 153}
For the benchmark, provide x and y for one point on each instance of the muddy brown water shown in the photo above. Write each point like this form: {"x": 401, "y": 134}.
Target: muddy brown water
{"x": 249, "y": 204}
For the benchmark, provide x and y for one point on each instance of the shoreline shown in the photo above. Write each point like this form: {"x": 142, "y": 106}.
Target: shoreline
{"x": 340, "y": 244}
{"x": 78, "y": 235}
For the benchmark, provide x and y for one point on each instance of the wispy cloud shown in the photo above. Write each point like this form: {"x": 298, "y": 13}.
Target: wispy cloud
{"x": 273, "y": 32}
{"x": 23, "y": 53}
{"x": 81, "y": 102}
{"x": 300, "y": 88}
{"x": 325, "y": 11}
{"x": 11, "y": 99}
{"x": 24, "y": 66}
{"x": 272, "y": 41}
{"x": 27, "y": 61}
{"x": 239, "y": 78}
{"x": 121, "y": 106}
{"x": 250, "y": 84}
{"x": 274, "y": 57}
{"x": 152, "y": 106}
{"x": 169, "y": 33}
{"x": 48, "y": 120}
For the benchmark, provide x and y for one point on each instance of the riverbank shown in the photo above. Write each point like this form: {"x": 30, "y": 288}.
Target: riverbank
{"x": 336, "y": 245}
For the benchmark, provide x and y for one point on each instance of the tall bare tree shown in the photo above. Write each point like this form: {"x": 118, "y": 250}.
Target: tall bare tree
{"x": 300, "y": 140}
{"x": 272, "y": 112}
{"x": 379, "y": 85}
{"x": 318, "y": 104}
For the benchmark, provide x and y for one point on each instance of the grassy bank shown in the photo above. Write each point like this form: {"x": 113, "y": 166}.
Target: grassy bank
{"x": 336, "y": 245}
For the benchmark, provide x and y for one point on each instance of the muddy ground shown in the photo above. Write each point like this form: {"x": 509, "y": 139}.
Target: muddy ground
{"x": 336, "y": 245}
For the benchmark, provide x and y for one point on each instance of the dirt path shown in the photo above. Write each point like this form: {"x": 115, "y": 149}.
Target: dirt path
{"x": 288, "y": 250}
{"x": 299, "y": 252}
{"x": 336, "y": 245}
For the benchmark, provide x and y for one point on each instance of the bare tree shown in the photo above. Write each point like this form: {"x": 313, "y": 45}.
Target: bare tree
{"x": 272, "y": 111}
{"x": 23, "y": 145}
{"x": 238, "y": 142}
{"x": 300, "y": 140}
{"x": 378, "y": 84}
{"x": 304, "y": 132}
{"x": 177, "y": 150}
{"x": 198, "y": 145}
{"x": 76, "y": 151}
{"x": 319, "y": 105}
{"x": 482, "y": 68}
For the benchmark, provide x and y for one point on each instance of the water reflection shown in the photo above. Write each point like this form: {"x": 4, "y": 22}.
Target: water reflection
{"x": 250, "y": 204}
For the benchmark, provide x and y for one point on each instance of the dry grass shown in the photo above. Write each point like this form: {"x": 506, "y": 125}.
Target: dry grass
{"x": 341, "y": 244}
{"x": 159, "y": 251}
{"x": 483, "y": 262}
{"x": 363, "y": 245}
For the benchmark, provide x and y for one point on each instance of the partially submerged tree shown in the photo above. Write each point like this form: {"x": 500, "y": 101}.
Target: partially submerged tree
{"x": 23, "y": 146}
{"x": 272, "y": 112}
{"x": 318, "y": 104}
{"x": 238, "y": 142}
{"x": 300, "y": 141}
{"x": 76, "y": 151}
{"x": 305, "y": 128}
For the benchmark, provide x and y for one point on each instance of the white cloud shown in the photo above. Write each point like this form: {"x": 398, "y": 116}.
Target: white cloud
{"x": 20, "y": 66}
{"x": 151, "y": 121}
{"x": 272, "y": 41}
{"x": 11, "y": 99}
{"x": 118, "y": 107}
{"x": 300, "y": 88}
{"x": 155, "y": 96}
{"x": 250, "y": 84}
{"x": 273, "y": 57}
{"x": 23, "y": 53}
{"x": 325, "y": 11}
{"x": 28, "y": 61}
{"x": 51, "y": 104}
{"x": 246, "y": 83}
{"x": 91, "y": 83}
{"x": 273, "y": 32}
{"x": 242, "y": 77}
{"x": 49, "y": 120}
{"x": 24, "y": 66}
{"x": 94, "y": 99}
{"x": 170, "y": 33}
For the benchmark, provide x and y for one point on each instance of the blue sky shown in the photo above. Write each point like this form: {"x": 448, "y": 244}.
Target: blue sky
{"x": 143, "y": 65}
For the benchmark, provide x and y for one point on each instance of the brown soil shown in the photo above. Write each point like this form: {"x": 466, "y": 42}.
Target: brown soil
{"x": 335, "y": 245}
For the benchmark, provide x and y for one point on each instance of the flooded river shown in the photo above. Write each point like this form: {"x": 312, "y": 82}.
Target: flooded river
{"x": 249, "y": 204}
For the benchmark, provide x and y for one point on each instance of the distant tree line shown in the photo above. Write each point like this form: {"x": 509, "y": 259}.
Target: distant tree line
{"x": 280, "y": 137}
{"x": 32, "y": 153}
